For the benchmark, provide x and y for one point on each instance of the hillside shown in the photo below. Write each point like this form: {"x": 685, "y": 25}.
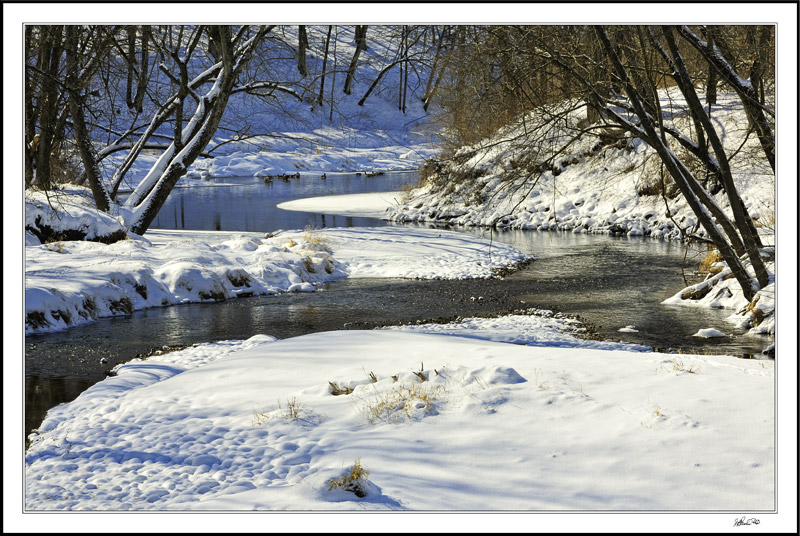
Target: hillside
{"x": 290, "y": 131}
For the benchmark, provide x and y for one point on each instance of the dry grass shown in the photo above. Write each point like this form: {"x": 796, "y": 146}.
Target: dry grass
{"x": 337, "y": 390}
{"x": 315, "y": 238}
{"x": 292, "y": 411}
{"x": 706, "y": 265}
{"x": 403, "y": 402}
{"x": 353, "y": 480}
{"x": 679, "y": 366}
{"x": 58, "y": 246}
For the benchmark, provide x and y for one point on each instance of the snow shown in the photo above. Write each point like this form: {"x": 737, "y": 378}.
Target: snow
{"x": 72, "y": 282}
{"x": 372, "y": 205}
{"x": 440, "y": 422}
{"x": 707, "y": 333}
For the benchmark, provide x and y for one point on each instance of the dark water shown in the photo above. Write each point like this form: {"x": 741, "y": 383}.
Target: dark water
{"x": 608, "y": 282}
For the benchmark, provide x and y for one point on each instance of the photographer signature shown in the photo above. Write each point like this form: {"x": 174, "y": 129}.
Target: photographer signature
{"x": 745, "y": 521}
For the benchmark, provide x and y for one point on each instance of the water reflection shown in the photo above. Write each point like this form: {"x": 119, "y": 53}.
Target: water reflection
{"x": 250, "y": 204}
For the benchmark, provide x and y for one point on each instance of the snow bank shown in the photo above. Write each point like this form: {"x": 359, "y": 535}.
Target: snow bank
{"x": 68, "y": 212}
{"x": 70, "y": 283}
{"x": 438, "y": 422}
{"x": 607, "y": 183}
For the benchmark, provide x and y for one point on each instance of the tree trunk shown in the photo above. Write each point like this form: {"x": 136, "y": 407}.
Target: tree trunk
{"x": 138, "y": 100}
{"x": 401, "y": 104}
{"x": 680, "y": 174}
{"x": 361, "y": 44}
{"x": 48, "y": 103}
{"x": 324, "y": 66}
{"x": 31, "y": 112}
{"x": 101, "y": 197}
{"x": 131, "y": 60}
{"x": 302, "y": 45}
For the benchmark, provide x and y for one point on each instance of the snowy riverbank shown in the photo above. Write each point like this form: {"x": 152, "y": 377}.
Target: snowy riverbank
{"x": 597, "y": 183}
{"x": 71, "y": 282}
{"x": 439, "y": 422}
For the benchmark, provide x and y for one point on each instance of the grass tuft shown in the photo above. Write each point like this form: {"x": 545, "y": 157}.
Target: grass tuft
{"x": 336, "y": 390}
{"x": 403, "y": 402}
{"x": 353, "y": 480}
{"x": 714, "y": 256}
{"x": 293, "y": 411}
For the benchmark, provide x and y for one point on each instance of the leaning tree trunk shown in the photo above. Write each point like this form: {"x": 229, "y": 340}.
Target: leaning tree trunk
{"x": 744, "y": 223}
{"x": 680, "y": 174}
{"x": 147, "y": 199}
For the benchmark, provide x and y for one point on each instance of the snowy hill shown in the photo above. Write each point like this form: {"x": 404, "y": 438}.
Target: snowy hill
{"x": 283, "y": 132}
{"x": 599, "y": 184}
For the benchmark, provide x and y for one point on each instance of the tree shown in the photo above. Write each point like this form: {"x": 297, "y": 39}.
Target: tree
{"x": 208, "y": 86}
{"x": 302, "y": 46}
{"x": 654, "y": 134}
{"x": 361, "y": 44}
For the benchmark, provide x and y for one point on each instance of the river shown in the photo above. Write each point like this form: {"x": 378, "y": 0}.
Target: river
{"x": 608, "y": 282}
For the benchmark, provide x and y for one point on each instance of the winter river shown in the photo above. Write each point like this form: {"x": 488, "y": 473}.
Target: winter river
{"x": 608, "y": 282}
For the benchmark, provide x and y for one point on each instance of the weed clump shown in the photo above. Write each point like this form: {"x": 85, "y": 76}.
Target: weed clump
{"x": 707, "y": 264}
{"x": 404, "y": 402}
{"x": 293, "y": 411}
{"x": 354, "y": 480}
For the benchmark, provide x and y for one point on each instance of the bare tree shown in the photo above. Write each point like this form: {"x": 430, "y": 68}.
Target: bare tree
{"x": 361, "y": 44}
{"x": 210, "y": 91}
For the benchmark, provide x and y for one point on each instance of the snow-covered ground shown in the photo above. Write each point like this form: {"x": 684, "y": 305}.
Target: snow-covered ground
{"x": 439, "y": 421}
